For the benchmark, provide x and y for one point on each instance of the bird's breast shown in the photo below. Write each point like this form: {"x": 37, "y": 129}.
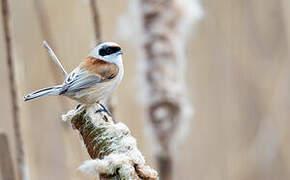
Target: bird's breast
{"x": 98, "y": 92}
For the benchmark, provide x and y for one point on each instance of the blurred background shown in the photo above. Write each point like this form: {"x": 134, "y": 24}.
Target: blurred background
{"x": 238, "y": 78}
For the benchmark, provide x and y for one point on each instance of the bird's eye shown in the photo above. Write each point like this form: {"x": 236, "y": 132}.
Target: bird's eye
{"x": 108, "y": 50}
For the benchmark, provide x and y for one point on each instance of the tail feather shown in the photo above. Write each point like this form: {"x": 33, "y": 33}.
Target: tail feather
{"x": 55, "y": 90}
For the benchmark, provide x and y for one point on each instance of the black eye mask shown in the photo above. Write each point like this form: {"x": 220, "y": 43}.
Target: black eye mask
{"x": 108, "y": 50}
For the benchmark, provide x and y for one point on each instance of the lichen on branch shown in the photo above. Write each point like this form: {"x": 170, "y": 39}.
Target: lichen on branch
{"x": 113, "y": 150}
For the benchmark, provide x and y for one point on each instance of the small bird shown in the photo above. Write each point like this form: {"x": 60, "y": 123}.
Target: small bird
{"x": 93, "y": 80}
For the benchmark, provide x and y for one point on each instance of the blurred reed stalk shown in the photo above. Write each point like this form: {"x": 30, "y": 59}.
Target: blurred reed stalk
{"x": 6, "y": 165}
{"x": 111, "y": 101}
{"x": 96, "y": 20}
{"x": 164, "y": 26}
{"x": 21, "y": 164}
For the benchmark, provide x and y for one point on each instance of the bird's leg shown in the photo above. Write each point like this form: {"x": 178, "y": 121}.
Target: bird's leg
{"x": 106, "y": 109}
{"x": 103, "y": 109}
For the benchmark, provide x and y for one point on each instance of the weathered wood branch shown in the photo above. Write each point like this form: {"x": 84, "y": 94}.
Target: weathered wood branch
{"x": 111, "y": 146}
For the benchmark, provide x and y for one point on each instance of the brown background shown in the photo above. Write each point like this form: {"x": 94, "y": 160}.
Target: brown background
{"x": 238, "y": 78}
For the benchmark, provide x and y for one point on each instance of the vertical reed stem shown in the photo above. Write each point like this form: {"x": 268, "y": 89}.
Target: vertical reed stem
{"x": 96, "y": 20}
{"x": 6, "y": 165}
{"x": 21, "y": 164}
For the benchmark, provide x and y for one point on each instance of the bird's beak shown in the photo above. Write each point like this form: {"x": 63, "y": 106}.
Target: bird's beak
{"x": 120, "y": 53}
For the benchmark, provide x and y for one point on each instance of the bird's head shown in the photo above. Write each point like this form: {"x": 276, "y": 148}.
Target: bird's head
{"x": 107, "y": 51}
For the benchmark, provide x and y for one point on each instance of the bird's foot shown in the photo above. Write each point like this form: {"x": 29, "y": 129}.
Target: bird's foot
{"x": 103, "y": 109}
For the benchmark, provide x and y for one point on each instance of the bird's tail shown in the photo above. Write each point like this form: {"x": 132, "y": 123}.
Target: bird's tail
{"x": 55, "y": 90}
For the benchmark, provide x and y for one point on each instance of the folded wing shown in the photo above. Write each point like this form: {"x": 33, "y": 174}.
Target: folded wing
{"x": 89, "y": 73}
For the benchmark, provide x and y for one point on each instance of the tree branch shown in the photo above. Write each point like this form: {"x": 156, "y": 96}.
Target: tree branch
{"x": 113, "y": 150}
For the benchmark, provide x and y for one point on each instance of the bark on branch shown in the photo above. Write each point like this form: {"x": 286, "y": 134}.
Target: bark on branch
{"x": 113, "y": 150}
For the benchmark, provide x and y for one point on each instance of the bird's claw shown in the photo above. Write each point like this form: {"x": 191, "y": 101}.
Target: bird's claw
{"x": 103, "y": 109}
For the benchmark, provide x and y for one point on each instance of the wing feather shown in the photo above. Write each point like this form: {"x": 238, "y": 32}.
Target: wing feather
{"x": 88, "y": 74}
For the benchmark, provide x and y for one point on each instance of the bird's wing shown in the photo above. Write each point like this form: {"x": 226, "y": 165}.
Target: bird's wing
{"x": 88, "y": 74}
